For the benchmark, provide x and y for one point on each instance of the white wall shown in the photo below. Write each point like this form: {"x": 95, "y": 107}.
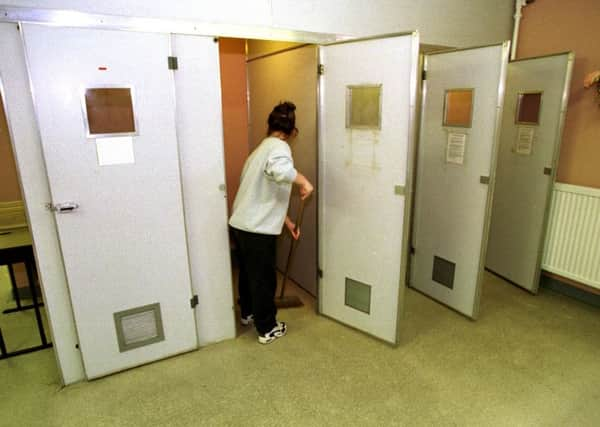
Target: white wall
{"x": 456, "y": 23}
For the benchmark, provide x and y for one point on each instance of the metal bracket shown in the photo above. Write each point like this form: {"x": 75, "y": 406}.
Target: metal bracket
{"x": 484, "y": 179}
{"x": 173, "y": 63}
{"x": 194, "y": 301}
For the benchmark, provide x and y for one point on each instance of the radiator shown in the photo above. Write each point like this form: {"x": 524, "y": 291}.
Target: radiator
{"x": 572, "y": 247}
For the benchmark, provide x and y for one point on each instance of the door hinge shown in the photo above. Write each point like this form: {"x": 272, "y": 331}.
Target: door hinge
{"x": 320, "y": 69}
{"x": 412, "y": 250}
{"x": 194, "y": 301}
{"x": 547, "y": 171}
{"x": 484, "y": 179}
{"x": 320, "y": 273}
{"x": 424, "y": 75}
{"x": 173, "y": 63}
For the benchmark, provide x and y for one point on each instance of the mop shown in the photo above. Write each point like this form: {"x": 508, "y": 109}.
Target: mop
{"x": 290, "y": 301}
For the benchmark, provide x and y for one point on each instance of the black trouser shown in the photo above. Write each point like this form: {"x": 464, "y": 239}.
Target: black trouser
{"x": 257, "y": 281}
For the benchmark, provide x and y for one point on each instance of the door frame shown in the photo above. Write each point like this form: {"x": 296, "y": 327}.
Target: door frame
{"x": 493, "y": 161}
{"x": 34, "y": 184}
{"x": 49, "y": 259}
{"x": 408, "y": 186}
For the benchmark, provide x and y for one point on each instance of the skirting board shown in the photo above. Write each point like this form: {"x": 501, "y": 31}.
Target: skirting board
{"x": 570, "y": 288}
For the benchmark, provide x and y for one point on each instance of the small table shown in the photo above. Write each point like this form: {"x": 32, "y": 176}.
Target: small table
{"x": 15, "y": 247}
{"x": 16, "y": 244}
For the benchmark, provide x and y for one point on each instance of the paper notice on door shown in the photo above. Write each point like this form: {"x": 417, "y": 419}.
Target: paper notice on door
{"x": 455, "y": 151}
{"x": 524, "y": 143}
{"x": 361, "y": 149}
{"x": 115, "y": 150}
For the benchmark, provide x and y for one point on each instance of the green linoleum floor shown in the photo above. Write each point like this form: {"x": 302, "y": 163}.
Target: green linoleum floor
{"x": 528, "y": 361}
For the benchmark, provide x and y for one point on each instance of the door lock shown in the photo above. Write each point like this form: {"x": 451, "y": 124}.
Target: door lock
{"x": 65, "y": 207}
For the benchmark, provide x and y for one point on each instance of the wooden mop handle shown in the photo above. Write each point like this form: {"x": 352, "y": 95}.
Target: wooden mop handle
{"x": 292, "y": 247}
{"x": 299, "y": 216}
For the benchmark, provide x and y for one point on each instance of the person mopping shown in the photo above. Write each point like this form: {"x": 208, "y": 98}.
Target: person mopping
{"x": 259, "y": 212}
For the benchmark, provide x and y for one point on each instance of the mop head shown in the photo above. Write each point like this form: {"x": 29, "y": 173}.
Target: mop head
{"x": 288, "y": 302}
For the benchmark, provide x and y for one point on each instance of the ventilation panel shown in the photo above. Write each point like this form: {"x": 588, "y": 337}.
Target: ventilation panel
{"x": 443, "y": 272}
{"x": 358, "y": 295}
{"x": 138, "y": 327}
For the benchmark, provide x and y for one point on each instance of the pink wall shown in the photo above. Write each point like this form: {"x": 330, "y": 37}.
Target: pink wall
{"x": 9, "y": 183}
{"x": 235, "y": 111}
{"x": 551, "y": 26}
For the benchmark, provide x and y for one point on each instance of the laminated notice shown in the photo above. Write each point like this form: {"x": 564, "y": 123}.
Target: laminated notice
{"x": 455, "y": 151}
{"x": 524, "y": 143}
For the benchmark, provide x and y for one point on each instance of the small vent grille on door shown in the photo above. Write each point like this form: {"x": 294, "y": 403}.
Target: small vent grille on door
{"x": 443, "y": 272}
{"x": 139, "y": 326}
{"x": 358, "y": 295}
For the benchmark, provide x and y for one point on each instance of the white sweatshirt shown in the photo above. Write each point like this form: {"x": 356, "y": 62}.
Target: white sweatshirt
{"x": 262, "y": 200}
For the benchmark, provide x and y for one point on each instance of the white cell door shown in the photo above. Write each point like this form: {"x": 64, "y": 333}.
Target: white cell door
{"x": 462, "y": 104}
{"x": 122, "y": 229}
{"x": 537, "y": 92}
{"x": 367, "y": 103}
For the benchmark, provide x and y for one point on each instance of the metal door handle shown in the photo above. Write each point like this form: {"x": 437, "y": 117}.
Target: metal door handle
{"x": 65, "y": 207}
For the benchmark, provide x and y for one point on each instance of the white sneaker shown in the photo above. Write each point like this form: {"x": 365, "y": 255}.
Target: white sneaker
{"x": 247, "y": 320}
{"x": 278, "y": 331}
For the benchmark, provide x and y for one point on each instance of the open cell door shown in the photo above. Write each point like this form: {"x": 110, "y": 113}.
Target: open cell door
{"x": 367, "y": 98}
{"x": 462, "y": 105}
{"x": 105, "y": 103}
{"x": 537, "y": 93}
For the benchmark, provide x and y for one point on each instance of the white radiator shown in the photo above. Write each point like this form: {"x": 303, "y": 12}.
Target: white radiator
{"x": 572, "y": 248}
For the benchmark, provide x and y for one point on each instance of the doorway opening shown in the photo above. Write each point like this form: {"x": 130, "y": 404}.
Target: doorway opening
{"x": 23, "y": 320}
{"x": 366, "y": 128}
{"x": 255, "y": 76}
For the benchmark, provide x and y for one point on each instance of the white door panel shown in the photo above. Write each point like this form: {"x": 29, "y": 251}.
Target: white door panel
{"x": 125, "y": 246}
{"x": 200, "y": 136}
{"x": 452, "y": 204}
{"x": 523, "y": 186}
{"x": 363, "y": 207}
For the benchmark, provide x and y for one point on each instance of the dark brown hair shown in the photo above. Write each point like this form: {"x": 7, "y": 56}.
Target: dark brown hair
{"x": 283, "y": 118}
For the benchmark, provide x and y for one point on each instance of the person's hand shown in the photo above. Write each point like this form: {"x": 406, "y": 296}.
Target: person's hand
{"x": 292, "y": 229}
{"x": 306, "y": 187}
{"x": 306, "y": 190}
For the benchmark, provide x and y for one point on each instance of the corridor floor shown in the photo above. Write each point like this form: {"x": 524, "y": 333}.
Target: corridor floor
{"x": 528, "y": 361}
